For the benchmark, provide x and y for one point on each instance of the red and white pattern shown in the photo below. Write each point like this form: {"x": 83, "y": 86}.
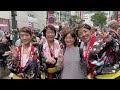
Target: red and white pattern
{"x": 46, "y": 49}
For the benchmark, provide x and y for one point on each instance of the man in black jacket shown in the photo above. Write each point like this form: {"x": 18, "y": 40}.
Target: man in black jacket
{"x": 4, "y": 50}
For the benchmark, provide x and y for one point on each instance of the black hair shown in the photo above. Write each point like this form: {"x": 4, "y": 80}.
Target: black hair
{"x": 50, "y": 27}
{"x": 36, "y": 33}
{"x": 73, "y": 34}
{"x": 83, "y": 26}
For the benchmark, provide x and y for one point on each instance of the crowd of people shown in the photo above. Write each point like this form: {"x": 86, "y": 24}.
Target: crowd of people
{"x": 84, "y": 52}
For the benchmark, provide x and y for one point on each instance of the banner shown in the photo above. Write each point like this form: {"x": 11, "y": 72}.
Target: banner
{"x": 118, "y": 17}
{"x": 4, "y": 25}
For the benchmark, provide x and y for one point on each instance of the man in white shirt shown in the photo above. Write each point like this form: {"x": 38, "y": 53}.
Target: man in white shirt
{"x": 18, "y": 42}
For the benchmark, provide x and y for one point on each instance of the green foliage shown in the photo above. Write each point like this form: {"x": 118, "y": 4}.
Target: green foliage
{"x": 73, "y": 20}
{"x": 99, "y": 18}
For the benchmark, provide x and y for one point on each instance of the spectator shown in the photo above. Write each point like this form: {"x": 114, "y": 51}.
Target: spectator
{"x": 35, "y": 40}
{"x": 4, "y": 50}
{"x": 113, "y": 24}
{"x": 18, "y": 42}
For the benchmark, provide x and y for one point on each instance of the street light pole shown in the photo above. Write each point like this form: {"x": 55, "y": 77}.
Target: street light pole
{"x": 14, "y": 27}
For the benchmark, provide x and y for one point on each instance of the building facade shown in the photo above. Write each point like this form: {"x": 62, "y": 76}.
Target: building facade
{"x": 5, "y": 20}
{"x": 32, "y": 19}
{"x": 87, "y": 18}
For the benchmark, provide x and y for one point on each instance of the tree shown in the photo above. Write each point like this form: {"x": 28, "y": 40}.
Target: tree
{"x": 99, "y": 18}
{"x": 73, "y": 20}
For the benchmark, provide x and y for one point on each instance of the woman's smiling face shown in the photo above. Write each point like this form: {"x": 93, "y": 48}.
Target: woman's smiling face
{"x": 84, "y": 34}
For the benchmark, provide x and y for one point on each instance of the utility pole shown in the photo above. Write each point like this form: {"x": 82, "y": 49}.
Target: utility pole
{"x": 14, "y": 27}
{"x": 116, "y": 15}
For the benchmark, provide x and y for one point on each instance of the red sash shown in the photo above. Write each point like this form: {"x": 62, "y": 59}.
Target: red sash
{"x": 51, "y": 65}
{"x": 86, "y": 56}
{"x": 20, "y": 53}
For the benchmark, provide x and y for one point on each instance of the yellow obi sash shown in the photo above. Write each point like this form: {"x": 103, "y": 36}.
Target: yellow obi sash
{"x": 14, "y": 76}
{"x": 52, "y": 70}
{"x": 107, "y": 76}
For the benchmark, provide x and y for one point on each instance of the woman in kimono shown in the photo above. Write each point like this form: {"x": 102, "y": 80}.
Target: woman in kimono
{"x": 24, "y": 62}
{"x": 97, "y": 53}
{"x": 49, "y": 53}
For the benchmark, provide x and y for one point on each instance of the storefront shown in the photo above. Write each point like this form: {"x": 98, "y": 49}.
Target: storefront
{"x": 4, "y": 25}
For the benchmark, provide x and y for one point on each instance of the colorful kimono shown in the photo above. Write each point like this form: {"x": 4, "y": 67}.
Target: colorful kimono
{"x": 28, "y": 70}
{"x": 50, "y": 70}
{"x": 100, "y": 55}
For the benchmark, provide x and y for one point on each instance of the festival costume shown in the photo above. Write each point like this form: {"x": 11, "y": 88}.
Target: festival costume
{"x": 28, "y": 68}
{"x": 50, "y": 70}
{"x": 100, "y": 56}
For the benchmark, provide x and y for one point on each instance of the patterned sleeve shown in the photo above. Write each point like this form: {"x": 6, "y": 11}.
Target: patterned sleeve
{"x": 13, "y": 64}
{"x": 95, "y": 55}
{"x": 40, "y": 51}
{"x": 36, "y": 55}
{"x": 36, "y": 52}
